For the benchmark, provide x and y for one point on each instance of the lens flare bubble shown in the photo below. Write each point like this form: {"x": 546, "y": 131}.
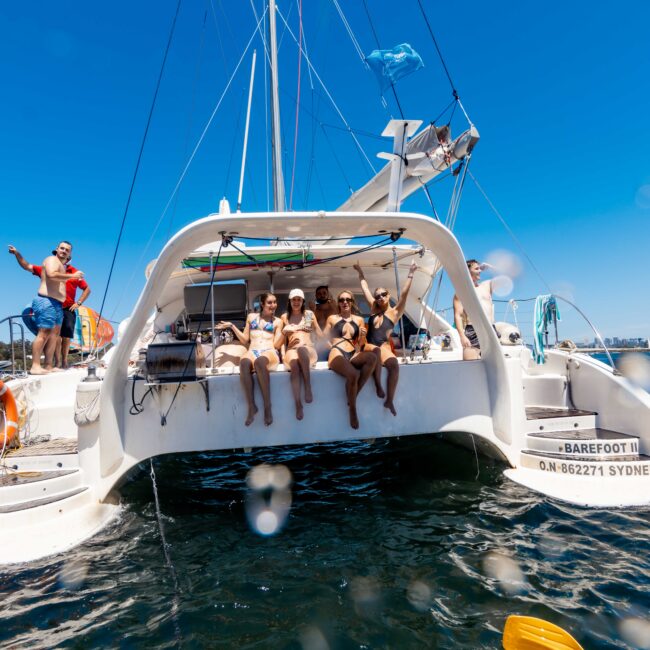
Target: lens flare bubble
{"x": 643, "y": 197}
{"x": 366, "y": 596}
{"x": 73, "y": 574}
{"x": 505, "y": 263}
{"x": 311, "y": 638}
{"x": 506, "y": 571}
{"x": 419, "y": 595}
{"x": 265, "y": 476}
{"x": 636, "y": 631}
{"x": 269, "y": 498}
{"x": 502, "y": 286}
{"x": 267, "y": 522}
{"x": 636, "y": 368}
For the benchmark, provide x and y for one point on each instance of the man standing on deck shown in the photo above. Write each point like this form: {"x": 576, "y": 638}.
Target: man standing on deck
{"x": 53, "y": 293}
{"x": 324, "y": 306}
{"x": 468, "y": 336}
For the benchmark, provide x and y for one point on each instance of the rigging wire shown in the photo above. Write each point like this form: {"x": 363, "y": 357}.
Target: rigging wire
{"x": 184, "y": 172}
{"x": 235, "y": 139}
{"x": 295, "y": 135}
{"x": 338, "y": 162}
{"x": 137, "y": 166}
{"x": 454, "y": 92}
{"x": 190, "y": 118}
{"x": 435, "y": 42}
{"x": 222, "y": 51}
{"x": 329, "y": 96}
{"x": 392, "y": 85}
{"x": 510, "y": 232}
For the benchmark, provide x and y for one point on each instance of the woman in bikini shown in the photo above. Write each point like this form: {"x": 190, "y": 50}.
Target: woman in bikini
{"x": 381, "y": 322}
{"x": 348, "y": 332}
{"x": 299, "y": 327}
{"x": 263, "y": 336}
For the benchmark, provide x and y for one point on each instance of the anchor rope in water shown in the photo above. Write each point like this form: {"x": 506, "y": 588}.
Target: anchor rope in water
{"x": 168, "y": 559}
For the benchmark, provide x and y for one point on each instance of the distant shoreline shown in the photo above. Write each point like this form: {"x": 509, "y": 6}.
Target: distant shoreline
{"x": 613, "y": 350}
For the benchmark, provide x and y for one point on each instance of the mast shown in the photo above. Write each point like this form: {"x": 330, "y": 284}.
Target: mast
{"x": 278, "y": 180}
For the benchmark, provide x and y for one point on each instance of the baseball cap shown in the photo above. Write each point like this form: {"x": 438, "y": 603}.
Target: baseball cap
{"x": 296, "y": 293}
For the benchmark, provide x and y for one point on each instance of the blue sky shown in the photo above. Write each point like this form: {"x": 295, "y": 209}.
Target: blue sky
{"x": 558, "y": 92}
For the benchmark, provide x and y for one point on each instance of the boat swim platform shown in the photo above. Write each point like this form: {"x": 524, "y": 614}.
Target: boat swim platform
{"x": 545, "y": 412}
{"x": 54, "y": 446}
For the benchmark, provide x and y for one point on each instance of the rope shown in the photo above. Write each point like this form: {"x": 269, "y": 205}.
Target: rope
{"x": 137, "y": 166}
{"x": 315, "y": 239}
{"x": 393, "y": 237}
{"x": 168, "y": 559}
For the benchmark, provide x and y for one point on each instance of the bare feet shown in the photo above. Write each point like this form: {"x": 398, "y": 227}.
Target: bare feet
{"x": 251, "y": 415}
{"x": 309, "y": 398}
{"x": 299, "y": 413}
{"x": 354, "y": 419}
{"x": 390, "y": 407}
{"x": 268, "y": 416}
{"x": 380, "y": 391}
{"x": 39, "y": 371}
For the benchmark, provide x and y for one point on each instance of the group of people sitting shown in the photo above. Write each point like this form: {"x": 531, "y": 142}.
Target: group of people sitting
{"x": 356, "y": 350}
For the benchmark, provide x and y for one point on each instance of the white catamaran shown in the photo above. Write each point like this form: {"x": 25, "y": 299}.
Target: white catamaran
{"x": 571, "y": 428}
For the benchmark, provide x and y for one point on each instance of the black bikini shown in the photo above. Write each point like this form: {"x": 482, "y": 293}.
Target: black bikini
{"x": 337, "y": 331}
{"x": 379, "y": 335}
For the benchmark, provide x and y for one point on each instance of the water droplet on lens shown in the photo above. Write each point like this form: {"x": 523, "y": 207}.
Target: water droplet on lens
{"x": 506, "y": 571}
{"x": 280, "y": 477}
{"x": 636, "y": 631}
{"x": 643, "y": 197}
{"x": 505, "y": 262}
{"x": 419, "y": 595}
{"x": 73, "y": 574}
{"x": 636, "y": 368}
{"x": 259, "y": 477}
{"x": 502, "y": 286}
{"x": 266, "y": 522}
{"x": 311, "y": 638}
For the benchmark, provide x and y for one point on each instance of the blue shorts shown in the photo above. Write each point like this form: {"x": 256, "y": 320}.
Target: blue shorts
{"x": 48, "y": 312}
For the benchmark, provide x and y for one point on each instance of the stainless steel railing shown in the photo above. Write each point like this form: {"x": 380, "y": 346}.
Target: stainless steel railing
{"x": 12, "y": 324}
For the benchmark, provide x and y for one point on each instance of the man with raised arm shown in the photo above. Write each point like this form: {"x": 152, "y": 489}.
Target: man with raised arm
{"x": 48, "y": 304}
{"x": 484, "y": 290}
{"x": 70, "y": 305}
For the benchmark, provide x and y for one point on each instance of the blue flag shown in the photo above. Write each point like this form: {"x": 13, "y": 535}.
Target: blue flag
{"x": 392, "y": 65}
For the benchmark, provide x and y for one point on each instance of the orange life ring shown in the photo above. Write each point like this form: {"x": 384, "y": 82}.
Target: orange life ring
{"x": 11, "y": 415}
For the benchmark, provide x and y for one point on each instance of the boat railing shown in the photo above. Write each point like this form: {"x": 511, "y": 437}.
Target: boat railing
{"x": 11, "y": 321}
{"x": 513, "y": 304}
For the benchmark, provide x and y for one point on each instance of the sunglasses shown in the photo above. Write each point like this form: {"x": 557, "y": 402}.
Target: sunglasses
{"x": 345, "y": 299}
{"x": 383, "y": 294}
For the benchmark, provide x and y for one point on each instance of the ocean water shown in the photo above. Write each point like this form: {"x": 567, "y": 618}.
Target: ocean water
{"x": 406, "y": 543}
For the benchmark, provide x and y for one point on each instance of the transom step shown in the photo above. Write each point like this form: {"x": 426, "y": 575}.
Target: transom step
{"x": 585, "y": 443}
{"x": 544, "y": 412}
{"x": 35, "y": 503}
{"x": 546, "y": 418}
